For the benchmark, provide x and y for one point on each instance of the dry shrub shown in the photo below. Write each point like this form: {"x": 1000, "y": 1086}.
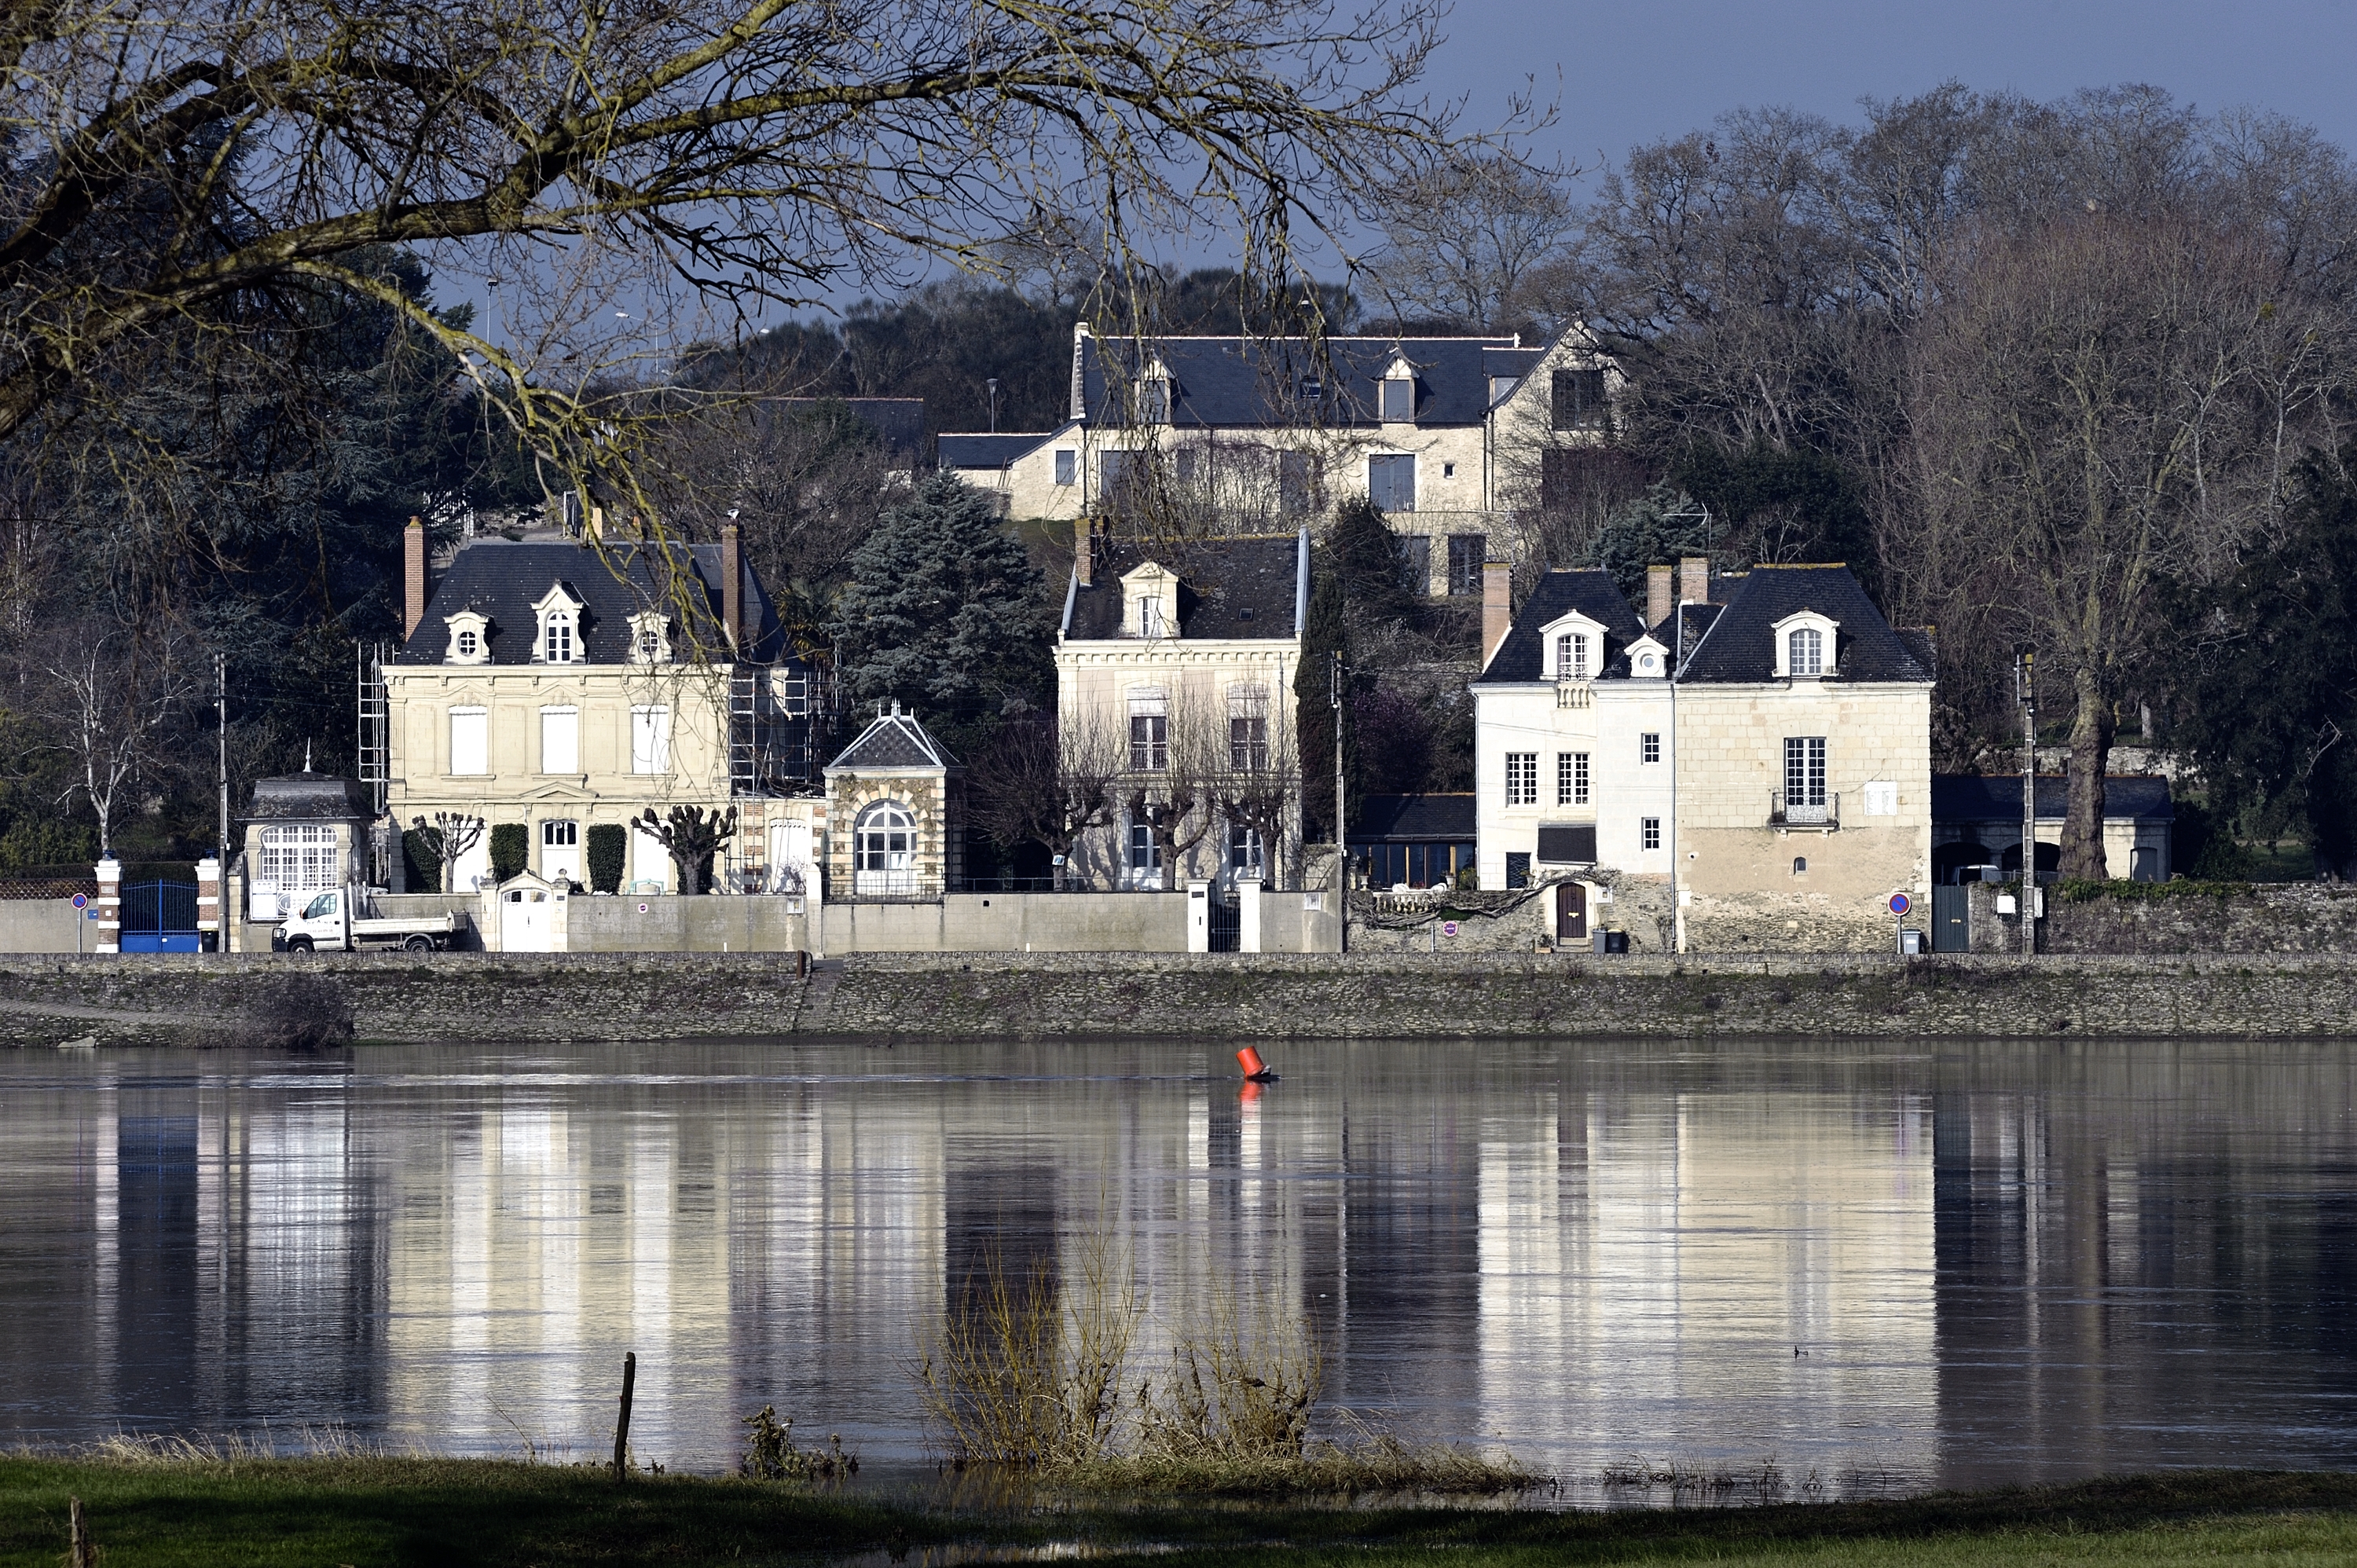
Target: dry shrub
{"x": 297, "y": 1012}
{"x": 1027, "y": 1374}
{"x": 771, "y": 1453}
{"x": 1244, "y": 1375}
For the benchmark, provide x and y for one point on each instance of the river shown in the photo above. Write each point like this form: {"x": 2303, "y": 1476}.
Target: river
{"x": 1887, "y": 1267}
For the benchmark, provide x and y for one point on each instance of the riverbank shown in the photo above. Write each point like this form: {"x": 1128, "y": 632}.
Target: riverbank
{"x": 237, "y": 999}
{"x": 367, "y": 1511}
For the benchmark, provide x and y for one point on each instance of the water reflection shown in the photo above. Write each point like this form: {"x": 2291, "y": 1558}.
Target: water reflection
{"x": 1998, "y": 1262}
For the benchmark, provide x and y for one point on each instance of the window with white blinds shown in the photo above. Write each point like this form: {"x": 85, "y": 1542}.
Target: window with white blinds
{"x": 470, "y": 740}
{"x": 560, "y": 740}
{"x": 651, "y": 740}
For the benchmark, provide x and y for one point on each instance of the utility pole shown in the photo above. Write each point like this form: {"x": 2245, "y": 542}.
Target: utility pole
{"x": 220, "y": 707}
{"x": 1341, "y": 838}
{"x": 2024, "y": 690}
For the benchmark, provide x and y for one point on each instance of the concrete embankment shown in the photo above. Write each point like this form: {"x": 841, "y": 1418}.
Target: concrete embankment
{"x": 206, "y": 1000}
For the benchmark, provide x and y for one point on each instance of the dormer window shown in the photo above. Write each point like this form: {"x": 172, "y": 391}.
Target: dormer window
{"x": 471, "y": 639}
{"x": 1151, "y": 596}
{"x": 1648, "y": 660}
{"x": 1154, "y": 395}
{"x": 1805, "y": 649}
{"x": 559, "y": 638}
{"x": 1571, "y": 656}
{"x": 650, "y": 638}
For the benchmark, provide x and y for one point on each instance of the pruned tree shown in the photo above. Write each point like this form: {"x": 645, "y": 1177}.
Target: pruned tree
{"x": 693, "y": 837}
{"x": 1047, "y": 781}
{"x": 110, "y": 696}
{"x": 1171, "y": 783}
{"x": 450, "y": 834}
{"x": 1260, "y": 788}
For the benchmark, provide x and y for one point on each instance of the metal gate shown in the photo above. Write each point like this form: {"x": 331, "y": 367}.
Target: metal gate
{"x": 1227, "y": 920}
{"x": 1952, "y": 929}
{"x": 159, "y": 917}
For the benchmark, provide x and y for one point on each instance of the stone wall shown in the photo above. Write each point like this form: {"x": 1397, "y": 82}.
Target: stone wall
{"x": 2180, "y": 918}
{"x": 1519, "y": 922}
{"x": 41, "y": 925}
{"x": 646, "y": 922}
{"x": 555, "y": 997}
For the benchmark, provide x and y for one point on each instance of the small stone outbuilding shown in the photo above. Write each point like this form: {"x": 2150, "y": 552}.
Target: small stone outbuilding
{"x": 896, "y": 814}
{"x": 305, "y": 833}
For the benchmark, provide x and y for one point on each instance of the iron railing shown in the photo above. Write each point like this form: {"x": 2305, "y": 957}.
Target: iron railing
{"x": 1822, "y": 812}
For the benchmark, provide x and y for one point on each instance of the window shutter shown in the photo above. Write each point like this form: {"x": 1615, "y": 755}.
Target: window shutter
{"x": 1570, "y": 844}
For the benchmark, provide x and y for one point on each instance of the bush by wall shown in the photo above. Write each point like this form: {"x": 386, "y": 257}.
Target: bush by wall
{"x": 608, "y": 842}
{"x": 422, "y": 858}
{"x": 510, "y": 850}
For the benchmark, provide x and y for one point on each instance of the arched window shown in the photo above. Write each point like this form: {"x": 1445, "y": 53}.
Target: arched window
{"x": 1806, "y": 651}
{"x": 556, "y": 644}
{"x": 469, "y": 644}
{"x": 885, "y": 851}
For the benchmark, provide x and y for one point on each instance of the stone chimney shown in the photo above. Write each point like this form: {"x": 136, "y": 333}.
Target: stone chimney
{"x": 1497, "y": 607}
{"x": 412, "y": 577}
{"x": 1083, "y": 550}
{"x": 1693, "y": 580}
{"x": 732, "y": 585}
{"x": 1658, "y": 595}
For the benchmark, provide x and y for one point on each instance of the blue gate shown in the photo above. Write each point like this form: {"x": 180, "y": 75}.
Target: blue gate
{"x": 159, "y": 917}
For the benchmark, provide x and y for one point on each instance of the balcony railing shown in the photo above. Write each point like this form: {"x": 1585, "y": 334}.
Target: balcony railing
{"x": 1787, "y": 810}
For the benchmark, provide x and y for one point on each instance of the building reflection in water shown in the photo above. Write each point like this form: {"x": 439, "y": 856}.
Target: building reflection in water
{"x": 1997, "y": 1262}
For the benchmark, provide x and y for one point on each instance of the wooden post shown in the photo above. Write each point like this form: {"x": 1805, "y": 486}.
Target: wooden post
{"x": 79, "y": 1553}
{"x": 622, "y": 1428}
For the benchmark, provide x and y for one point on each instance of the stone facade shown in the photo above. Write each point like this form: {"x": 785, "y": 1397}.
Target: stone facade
{"x": 897, "y": 802}
{"x": 2175, "y": 917}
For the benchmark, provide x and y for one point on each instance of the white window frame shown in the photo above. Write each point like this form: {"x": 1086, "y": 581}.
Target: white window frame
{"x": 560, "y": 832}
{"x": 884, "y": 849}
{"x": 649, "y": 737}
{"x": 1522, "y": 778}
{"x": 1149, "y": 742}
{"x": 463, "y": 625}
{"x": 1648, "y": 748}
{"x": 1649, "y": 834}
{"x": 1571, "y": 778}
{"x": 1828, "y": 645}
{"x": 479, "y": 721}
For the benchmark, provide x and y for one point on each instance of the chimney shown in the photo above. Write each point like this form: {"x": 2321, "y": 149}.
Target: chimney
{"x": 1497, "y": 607}
{"x": 732, "y": 586}
{"x": 412, "y": 577}
{"x": 1083, "y": 550}
{"x": 1693, "y": 580}
{"x": 1657, "y": 595}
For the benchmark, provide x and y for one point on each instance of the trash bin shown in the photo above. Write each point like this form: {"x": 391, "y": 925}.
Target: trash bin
{"x": 1617, "y": 942}
{"x": 1911, "y": 941}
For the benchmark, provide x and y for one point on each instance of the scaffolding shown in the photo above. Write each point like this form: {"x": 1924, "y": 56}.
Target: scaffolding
{"x": 369, "y": 697}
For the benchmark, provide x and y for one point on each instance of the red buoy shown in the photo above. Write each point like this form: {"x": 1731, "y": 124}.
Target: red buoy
{"x": 1255, "y": 1069}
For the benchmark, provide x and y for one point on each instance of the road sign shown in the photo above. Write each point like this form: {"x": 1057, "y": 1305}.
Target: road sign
{"x": 81, "y": 901}
{"x": 1901, "y": 903}
{"x": 1447, "y": 928}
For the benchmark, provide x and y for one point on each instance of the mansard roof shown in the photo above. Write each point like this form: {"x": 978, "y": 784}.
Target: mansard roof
{"x": 1739, "y": 647}
{"x": 1592, "y": 593}
{"x": 1237, "y": 588}
{"x": 503, "y": 580}
{"x": 893, "y": 740}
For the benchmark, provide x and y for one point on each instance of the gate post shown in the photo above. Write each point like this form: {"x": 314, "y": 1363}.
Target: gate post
{"x": 209, "y": 905}
{"x": 1199, "y": 917}
{"x": 110, "y": 906}
{"x": 1248, "y": 914}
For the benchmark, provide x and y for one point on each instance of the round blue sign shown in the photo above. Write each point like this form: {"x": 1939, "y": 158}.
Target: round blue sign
{"x": 1901, "y": 903}
{"x": 1447, "y": 928}
{"x": 81, "y": 900}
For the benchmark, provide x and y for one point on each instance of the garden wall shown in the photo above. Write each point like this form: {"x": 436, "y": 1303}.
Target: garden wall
{"x": 2160, "y": 917}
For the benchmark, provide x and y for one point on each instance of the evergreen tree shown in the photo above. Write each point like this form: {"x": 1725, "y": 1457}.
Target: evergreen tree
{"x": 945, "y": 613}
{"x": 1364, "y": 554}
{"x": 1653, "y": 529}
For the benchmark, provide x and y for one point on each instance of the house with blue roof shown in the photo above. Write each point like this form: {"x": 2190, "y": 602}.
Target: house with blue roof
{"x": 1255, "y": 435}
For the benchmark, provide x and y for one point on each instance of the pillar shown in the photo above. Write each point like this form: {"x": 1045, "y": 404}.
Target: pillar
{"x": 1199, "y": 917}
{"x": 1248, "y": 915}
{"x": 209, "y": 905}
{"x": 110, "y": 906}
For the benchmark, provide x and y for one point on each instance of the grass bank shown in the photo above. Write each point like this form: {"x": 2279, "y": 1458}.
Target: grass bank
{"x": 376, "y": 1511}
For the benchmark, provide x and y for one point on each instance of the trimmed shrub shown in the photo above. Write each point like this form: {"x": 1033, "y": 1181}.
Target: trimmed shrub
{"x": 510, "y": 850}
{"x": 422, "y": 853}
{"x": 609, "y": 843}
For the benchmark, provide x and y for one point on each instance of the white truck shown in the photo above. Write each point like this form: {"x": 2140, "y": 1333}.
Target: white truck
{"x": 344, "y": 920}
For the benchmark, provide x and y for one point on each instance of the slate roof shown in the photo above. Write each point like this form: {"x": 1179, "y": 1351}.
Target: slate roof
{"x": 1740, "y": 645}
{"x": 1227, "y": 588}
{"x": 1594, "y": 593}
{"x": 894, "y": 740}
{"x": 1514, "y": 363}
{"x": 966, "y": 451}
{"x": 1255, "y": 381}
{"x": 1965, "y": 798}
{"x": 1390, "y": 819}
{"x": 502, "y": 579}
{"x": 308, "y": 797}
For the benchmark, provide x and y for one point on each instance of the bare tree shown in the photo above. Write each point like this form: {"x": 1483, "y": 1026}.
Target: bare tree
{"x": 1260, "y": 789}
{"x": 451, "y": 834}
{"x": 691, "y": 837}
{"x": 111, "y": 699}
{"x": 1172, "y": 781}
{"x": 1465, "y": 238}
{"x": 2089, "y": 399}
{"x": 674, "y": 168}
{"x": 1048, "y": 783}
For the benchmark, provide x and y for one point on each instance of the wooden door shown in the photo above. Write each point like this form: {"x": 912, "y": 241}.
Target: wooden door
{"x": 1570, "y": 912}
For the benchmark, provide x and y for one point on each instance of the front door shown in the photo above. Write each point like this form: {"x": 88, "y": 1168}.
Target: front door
{"x": 560, "y": 850}
{"x": 1952, "y": 929}
{"x": 1570, "y": 912}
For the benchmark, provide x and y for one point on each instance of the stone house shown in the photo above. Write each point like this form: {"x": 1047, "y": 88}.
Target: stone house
{"x": 305, "y": 833}
{"x": 560, "y": 685}
{"x": 1759, "y": 742}
{"x": 900, "y": 798}
{"x": 1445, "y": 433}
{"x": 1174, "y": 675}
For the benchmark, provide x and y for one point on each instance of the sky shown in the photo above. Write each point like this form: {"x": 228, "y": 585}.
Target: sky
{"x": 1631, "y": 72}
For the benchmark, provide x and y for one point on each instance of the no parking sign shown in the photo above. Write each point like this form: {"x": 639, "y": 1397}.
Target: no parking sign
{"x": 1901, "y": 904}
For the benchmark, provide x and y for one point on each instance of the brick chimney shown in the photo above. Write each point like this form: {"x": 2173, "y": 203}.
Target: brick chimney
{"x": 1083, "y": 550}
{"x": 1497, "y": 607}
{"x": 732, "y": 585}
{"x": 1693, "y": 580}
{"x": 1658, "y": 595}
{"x": 412, "y": 577}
